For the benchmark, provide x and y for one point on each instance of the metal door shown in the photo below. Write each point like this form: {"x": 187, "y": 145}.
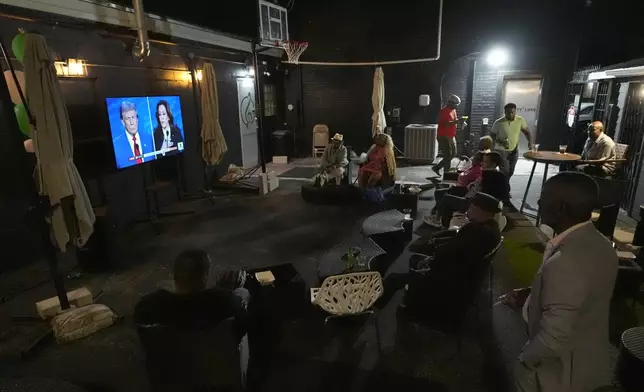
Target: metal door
{"x": 247, "y": 121}
{"x": 631, "y": 134}
{"x": 526, "y": 94}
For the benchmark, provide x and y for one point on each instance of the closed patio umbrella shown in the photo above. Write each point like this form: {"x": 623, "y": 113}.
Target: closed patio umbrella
{"x": 212, "y": 138}
{"x": 378, "y": 101}
{"x": 72, "y": 216}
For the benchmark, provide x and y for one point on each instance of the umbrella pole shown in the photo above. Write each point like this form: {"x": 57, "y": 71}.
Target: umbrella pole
{"x": 258, "y": 109}
{"x": 51, "y": 253}
{"x": 43, "y": 208}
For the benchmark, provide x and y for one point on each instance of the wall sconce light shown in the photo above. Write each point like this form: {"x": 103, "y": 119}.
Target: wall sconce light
{"x": 72, "y": 67}
{"x": 199, "y": 75}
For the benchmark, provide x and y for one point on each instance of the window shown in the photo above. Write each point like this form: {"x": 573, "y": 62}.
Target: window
{"x": 273, "y": 22}
{"x": 270, "y": 107}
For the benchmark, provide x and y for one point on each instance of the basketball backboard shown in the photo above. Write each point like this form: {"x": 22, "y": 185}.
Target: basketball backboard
{"x": 273, "y": 24}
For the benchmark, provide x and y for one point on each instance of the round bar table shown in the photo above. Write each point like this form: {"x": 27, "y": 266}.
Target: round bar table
{"x": 547, "y": 157}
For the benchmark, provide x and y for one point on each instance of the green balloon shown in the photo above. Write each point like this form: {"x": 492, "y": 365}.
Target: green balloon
{"x": 18, "y": 46}
{"x": 23, "y": 119}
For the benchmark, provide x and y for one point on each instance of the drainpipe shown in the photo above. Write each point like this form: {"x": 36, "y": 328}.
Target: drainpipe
{"x": 141, "y": 48}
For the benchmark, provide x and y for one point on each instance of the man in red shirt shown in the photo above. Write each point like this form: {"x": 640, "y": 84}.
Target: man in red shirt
{"x": 447, "y": 121}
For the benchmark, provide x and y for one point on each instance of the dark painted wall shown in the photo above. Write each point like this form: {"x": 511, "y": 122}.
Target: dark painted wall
{"x": 340, "y": 96}
{"x": 113, "y": 73}
{"x": 555, "y": 71}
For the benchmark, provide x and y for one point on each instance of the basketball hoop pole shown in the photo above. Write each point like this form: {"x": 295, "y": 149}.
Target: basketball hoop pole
{"x": 259, "y": 112}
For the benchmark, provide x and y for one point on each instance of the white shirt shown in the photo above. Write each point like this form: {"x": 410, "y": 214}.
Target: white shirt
{"x": 138, "y": 141}
{"x": 547, "y": 254}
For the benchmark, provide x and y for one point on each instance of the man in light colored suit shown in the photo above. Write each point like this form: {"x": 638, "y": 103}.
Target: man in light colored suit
{"x": 568, "y": 305}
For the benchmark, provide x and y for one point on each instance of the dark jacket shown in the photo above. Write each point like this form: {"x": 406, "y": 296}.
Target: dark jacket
{"x": 494, "y": 183}
{"x": 175, "y": 137}
{"x": 198, "y": 310}
{"x": 466, "y": 250}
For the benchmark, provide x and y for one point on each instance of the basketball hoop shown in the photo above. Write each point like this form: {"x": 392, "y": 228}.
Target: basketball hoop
{"x": 294, "y": 50}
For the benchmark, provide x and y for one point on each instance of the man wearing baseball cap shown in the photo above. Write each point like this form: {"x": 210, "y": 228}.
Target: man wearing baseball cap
{"x": 454, "y": 258}
{"x": 447, "y": 120}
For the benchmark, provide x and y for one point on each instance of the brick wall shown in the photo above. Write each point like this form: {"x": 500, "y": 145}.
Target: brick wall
{"x": 484, "y": 98}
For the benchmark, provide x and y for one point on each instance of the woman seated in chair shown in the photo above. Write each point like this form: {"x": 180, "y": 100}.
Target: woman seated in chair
{"x": 381, "y": 162}
{"x": 469, "y": 181}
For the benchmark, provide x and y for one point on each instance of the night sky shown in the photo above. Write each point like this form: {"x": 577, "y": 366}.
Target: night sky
{"x": 355, "y": 30}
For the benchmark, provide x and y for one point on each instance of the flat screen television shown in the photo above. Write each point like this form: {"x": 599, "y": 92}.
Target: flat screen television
{"x": 145, "y": 128}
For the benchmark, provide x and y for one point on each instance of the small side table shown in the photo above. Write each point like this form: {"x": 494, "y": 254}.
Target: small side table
{"x": 548, "y": 158}
{"x": 630, "y": 365}
{"x": 404, "y": 201}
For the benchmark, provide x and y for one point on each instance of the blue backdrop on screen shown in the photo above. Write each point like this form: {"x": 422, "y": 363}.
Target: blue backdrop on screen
{"x": 133, "y": 121}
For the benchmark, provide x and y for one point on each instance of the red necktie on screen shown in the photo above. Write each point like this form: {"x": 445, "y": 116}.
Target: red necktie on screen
{"x": 137, "y": 151}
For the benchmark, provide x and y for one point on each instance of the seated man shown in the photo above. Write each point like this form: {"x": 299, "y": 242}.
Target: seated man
{"x": 453, "y": 263}
{"x": 192, "y": 304}
{"x": 334, "y": 160}
{"x": 599, "y": 147}
{"x": 452, "y": 250}
{"x": 380, "y": 157}
{"x": 457, "y": 199}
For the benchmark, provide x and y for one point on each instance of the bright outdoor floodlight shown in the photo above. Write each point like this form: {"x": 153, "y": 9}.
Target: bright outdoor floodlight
{"x": 497, "y": 57}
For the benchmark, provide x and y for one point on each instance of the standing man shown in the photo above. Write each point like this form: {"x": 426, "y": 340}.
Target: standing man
{"x": 446, "y": 134}
{"x": 568, "y": 306}
{"x": 506, "y": 132}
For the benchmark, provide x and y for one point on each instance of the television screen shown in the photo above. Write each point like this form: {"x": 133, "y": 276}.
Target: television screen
{"x": 145, "y": 128}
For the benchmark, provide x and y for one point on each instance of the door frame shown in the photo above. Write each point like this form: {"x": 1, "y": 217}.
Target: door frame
{"x": 516, "y": 76}
{"x": 253, "y": 102}
{"x": 519, "y": 77}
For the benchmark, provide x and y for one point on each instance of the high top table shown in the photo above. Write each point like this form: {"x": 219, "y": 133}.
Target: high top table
{"x": 547, "y": 157}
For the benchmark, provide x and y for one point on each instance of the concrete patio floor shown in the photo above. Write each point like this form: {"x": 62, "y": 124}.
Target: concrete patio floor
{"x": 244, "y": 231}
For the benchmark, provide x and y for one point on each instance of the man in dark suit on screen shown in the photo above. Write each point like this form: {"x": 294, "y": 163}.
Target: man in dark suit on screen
{"x": 130, "y": 147}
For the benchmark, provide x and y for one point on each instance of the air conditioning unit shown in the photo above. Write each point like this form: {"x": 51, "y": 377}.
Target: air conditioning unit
{"x": 420, "y": 142}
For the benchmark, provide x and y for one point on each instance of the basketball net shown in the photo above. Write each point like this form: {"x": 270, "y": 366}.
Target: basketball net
{"x": 294, "y": 50}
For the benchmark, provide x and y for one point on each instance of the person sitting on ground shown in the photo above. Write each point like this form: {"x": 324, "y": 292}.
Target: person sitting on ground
{"x": 380, "y": 157}
{"x": 599, "y": 147}
{"x": 334, "y": 160}
{"x": 456, "y": 198}
{"x": 192, "y": 304}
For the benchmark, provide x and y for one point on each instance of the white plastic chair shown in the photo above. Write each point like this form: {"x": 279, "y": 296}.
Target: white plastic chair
{"x": 320, "y": 139}
{"x": 348, "y": 294}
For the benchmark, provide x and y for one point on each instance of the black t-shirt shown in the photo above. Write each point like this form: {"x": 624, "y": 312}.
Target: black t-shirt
{"x": 196, "y": 310}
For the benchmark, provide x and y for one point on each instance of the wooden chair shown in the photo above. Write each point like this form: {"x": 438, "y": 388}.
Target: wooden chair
{"x": 185, "y": 359}
{"x": 320, "y": 139}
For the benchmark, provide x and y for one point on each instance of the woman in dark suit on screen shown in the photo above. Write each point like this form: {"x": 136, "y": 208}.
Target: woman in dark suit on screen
{"x": 166, "y": 134}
